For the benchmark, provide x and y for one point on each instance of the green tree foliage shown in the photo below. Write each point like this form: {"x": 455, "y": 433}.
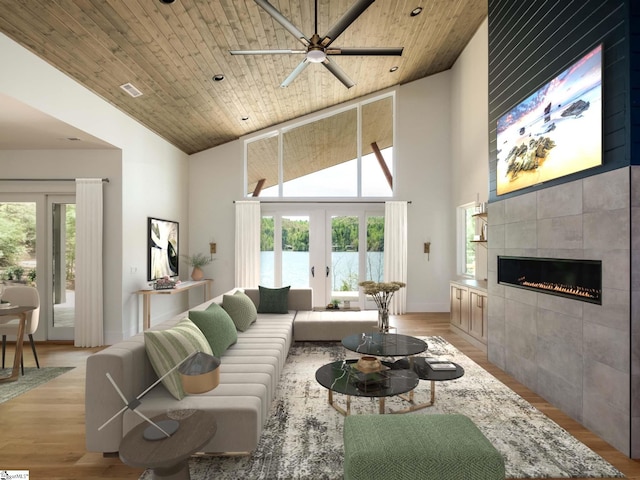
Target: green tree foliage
{"x": 295, "y": 235}
{"x": 344, "y": 234}
{"x": 17, "y": 232}
{"x": 375, "y": 234}
{"x": 266, "y": 234}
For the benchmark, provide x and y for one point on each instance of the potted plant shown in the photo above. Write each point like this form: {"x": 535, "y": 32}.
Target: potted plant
{"x": 197, "y": 261}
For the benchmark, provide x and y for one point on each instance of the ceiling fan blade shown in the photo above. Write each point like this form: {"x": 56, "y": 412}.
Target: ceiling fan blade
{"x": 282, "y": 20}
{"x": 339, "y": 73}
{"x": 264, "y": 52}
{"x": 382, "y": 51}
{"x": 296, "y": 71}
{"x": 347, "y": 19}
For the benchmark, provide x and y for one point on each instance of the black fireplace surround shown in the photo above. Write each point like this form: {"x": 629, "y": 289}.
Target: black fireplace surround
{"x": 576, "y": 279}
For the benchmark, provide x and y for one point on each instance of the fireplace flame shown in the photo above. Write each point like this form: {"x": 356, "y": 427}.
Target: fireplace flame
{"x": 592, "y": 293}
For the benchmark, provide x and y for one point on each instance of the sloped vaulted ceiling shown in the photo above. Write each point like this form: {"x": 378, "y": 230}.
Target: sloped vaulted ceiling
{"x": 170, "y": 52}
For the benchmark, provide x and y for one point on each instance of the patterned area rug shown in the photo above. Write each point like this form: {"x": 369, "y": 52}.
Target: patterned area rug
{"x": 33, "y": 377}
{"x": 303, "y": 437}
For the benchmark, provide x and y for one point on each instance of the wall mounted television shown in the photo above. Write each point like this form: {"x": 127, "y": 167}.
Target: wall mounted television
{"x": 554, "y": 132}
{"x": 163, "y": 249}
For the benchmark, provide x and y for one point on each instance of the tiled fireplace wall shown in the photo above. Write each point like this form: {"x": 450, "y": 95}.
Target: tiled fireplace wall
{"x": 576, "y": 355}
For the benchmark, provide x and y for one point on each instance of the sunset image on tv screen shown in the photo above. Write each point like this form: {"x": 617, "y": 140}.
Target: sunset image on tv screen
{"x": 554, "y": 132}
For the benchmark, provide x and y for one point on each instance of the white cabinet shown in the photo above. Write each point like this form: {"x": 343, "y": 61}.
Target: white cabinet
{"x": 469, "y": 312}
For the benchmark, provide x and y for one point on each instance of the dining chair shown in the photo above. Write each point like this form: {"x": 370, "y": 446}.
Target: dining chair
{"x": 21, "y": 295}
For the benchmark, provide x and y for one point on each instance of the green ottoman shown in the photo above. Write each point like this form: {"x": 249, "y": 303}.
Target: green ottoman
{"x": 410, "y": 447}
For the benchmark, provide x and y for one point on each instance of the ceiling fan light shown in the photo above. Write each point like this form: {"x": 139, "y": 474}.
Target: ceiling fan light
{"x": 316, "y": 56}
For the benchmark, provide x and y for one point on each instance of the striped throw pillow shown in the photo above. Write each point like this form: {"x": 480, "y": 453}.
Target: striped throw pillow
{"x": 167, "y": 348}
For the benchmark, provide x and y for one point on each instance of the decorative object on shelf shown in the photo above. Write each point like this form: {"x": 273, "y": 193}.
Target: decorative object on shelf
{"x": 334, "y": 304}
{"x": 199, "y": 374}
{"x": 164, "y": 283}
{"x": 197, "y": 261}
{"x": 382, "y": 293}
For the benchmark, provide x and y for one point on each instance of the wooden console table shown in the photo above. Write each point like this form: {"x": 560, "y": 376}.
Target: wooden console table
{"x": 180, "y": 288}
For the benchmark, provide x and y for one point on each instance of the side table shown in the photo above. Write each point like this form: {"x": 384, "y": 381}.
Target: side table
{"x": 420, "y": 366}
{"x": 169, "y": 457}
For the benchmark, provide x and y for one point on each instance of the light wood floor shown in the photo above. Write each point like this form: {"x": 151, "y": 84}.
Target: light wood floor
{"x": 43, "y": 430}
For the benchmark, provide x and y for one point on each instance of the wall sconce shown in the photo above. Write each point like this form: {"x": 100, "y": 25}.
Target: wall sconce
{"x": 212, "y": 249}
{"x": 427, "y": 248}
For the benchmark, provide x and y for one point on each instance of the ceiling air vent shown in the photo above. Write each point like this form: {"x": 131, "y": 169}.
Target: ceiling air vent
{"x": 131, "y": 90}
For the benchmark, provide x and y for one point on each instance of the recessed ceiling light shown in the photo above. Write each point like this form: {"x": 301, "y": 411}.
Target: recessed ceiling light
{"x": 416, "y": 11}
{"x": 218, "y": 77}
{"x": 167, "y": 1}
{"x": 74, "y": 139}
{"x": 245, "y": 118}
{"x": 393, "y": 69}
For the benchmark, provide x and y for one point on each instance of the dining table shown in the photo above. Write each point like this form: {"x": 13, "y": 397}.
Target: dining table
{"x": 20, "y": 312}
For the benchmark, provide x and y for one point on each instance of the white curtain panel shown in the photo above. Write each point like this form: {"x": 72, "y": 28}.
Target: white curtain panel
{"x": 395, "y": 252}
{"x": 89, "y": 331}
{"x": 247, "y": 244}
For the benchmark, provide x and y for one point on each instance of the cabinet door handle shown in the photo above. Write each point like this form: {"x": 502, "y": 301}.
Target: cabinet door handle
{"x": 458, "y": 291}
{"x": 313, "y": 271}
{"x": 327, "y": 269}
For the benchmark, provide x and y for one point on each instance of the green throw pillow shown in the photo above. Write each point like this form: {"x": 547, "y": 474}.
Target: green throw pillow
{"x": 274, "y": 300}
{"x": 167, "y": 348}
{"x": 241, "y": 309}
{"x": 217, "y": 327}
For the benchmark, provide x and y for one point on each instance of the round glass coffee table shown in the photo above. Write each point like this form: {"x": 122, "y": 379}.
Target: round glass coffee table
{"x": 343, "y": 377}
{"x": 384, "y": 344}
{"x": 428, "y": 369}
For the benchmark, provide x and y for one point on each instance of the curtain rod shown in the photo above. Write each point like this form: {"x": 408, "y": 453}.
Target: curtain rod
{"x": 322, "y": 201}
{"x": 106, "y": 180}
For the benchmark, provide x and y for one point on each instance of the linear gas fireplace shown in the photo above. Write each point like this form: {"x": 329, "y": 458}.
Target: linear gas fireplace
{"x": 577, "y": 279}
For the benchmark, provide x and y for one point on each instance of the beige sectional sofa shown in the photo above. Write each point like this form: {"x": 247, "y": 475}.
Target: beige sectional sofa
{"x": 249, "y": 374}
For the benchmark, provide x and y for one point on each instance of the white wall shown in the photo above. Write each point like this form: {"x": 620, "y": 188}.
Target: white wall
{"x": 469, "y": 134}
{"x": 151, "y": 180}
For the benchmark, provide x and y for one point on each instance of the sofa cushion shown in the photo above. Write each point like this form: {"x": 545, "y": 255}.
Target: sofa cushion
{"x": 167, "y": 348}
{"x": 274, "y": 300}
{"x": 217, "y": 327}
{"x": 241, "y": 309}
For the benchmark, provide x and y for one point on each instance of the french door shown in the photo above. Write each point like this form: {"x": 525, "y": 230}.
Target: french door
{"x": 39, "y": 249}
{"x": 328, "y": 250}
{"x": 61, "y": 210}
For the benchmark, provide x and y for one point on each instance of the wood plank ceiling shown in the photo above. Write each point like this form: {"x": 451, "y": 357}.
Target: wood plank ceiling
{"x": 170, "y": 52}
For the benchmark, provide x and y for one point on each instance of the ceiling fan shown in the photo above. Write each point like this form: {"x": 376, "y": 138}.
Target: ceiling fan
{"x": 317, "y": 49}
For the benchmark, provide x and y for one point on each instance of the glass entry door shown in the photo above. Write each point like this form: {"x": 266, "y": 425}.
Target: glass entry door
{"x": 324, "y": 250}
{"x": 62, "y": 248}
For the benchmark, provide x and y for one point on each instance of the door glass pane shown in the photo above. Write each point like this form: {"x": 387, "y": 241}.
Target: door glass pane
{"x": 377, "y": 148}
{"x": 319, "y": 158}
{"x": 295, "y": 251}
{"x": 267, "y": 253}
{"x": 18, "y": 242}
{"x": 63, "y": 260}
{"x": 345, "y": 265}
{"x": 375, "y": 248}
